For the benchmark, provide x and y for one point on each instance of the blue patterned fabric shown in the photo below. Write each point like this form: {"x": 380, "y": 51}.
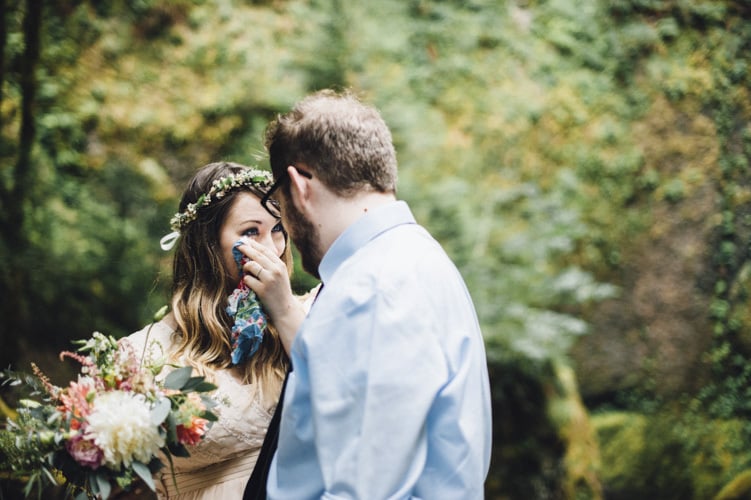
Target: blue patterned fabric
{"x": 250, "y": 322}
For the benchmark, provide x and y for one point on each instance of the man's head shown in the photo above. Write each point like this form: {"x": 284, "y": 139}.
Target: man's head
{"x": 341, "y": 143}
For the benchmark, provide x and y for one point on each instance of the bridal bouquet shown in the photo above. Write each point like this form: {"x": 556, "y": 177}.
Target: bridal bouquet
{"x": 115, "y": 423}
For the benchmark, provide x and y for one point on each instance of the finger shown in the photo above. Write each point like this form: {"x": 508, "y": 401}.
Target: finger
{"x": 264, "y": 255}
{"x": 246, "y": 251}
{"x": 252, "y": 282}
{"x": 251, "y": 250}
{"x": 252, "y": 268}
{"x": 262, "y": 249}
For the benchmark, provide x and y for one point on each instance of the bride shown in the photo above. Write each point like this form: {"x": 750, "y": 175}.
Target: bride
{"x": 229, "y": 248}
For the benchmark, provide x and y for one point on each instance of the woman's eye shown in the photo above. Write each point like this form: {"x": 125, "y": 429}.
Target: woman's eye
{"x": 278, "y": 228}
{"x": 253, "y": 231}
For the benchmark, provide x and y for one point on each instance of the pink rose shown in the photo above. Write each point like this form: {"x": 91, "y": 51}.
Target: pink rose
{"x": 85, "y": 451}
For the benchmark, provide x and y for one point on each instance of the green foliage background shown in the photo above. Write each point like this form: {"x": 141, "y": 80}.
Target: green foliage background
{"x": 568, "y": 154}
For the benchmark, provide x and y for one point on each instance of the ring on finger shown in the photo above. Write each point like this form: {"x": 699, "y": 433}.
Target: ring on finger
{"x": 260, "y": 270}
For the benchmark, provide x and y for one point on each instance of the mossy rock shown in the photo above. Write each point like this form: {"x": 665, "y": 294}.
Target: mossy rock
{"x": 669, "y": 455}
{"x": 737, "y": 489}
{"x": 621, "y": 438}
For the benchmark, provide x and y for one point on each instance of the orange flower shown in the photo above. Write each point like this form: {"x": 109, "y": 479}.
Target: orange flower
{"x": 192, "y": 433}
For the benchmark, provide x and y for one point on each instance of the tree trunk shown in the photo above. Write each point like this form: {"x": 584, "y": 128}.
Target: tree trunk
{"x": 31, "y": 30}
{"x": 3, "y": 40}
{"x": 14, "y": 307}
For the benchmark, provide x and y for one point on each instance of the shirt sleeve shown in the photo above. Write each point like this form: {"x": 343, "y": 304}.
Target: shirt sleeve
{"x": 375, "y": 368}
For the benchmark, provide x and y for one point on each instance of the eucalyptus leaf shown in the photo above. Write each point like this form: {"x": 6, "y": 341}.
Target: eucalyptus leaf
{"x": 192, "y": 383}
{"x": 205, "y": 387}
{"x": 198, "y": 384}
{"x": 178, "y": 378}
{"x": 145, "y": 474}
{"x": 160, "y": 411}
{"x": 210, "y": 416}
{"x": 179, "y": 450}
{"x": 105, "y": 488}
{"x": 93, "y": 485}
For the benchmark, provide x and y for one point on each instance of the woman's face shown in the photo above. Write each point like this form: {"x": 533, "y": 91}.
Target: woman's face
{"x": 247, "y": 218}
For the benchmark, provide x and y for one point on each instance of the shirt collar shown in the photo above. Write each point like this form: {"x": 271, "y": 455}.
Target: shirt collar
{"x": 361, "y": 231}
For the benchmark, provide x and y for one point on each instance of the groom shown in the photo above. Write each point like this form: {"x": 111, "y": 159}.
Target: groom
{"x": 388, "y": 395}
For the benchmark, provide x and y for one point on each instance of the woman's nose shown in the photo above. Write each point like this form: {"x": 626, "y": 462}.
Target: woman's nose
{"x": 266, "y": 239}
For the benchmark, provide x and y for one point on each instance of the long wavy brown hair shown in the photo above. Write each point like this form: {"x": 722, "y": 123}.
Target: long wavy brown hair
{"x": 201, "y": 284}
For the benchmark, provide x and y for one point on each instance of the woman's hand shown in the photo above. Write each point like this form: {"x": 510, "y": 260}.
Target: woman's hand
{"x": 267, "y": 275}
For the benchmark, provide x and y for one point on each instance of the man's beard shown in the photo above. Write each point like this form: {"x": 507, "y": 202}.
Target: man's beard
{"x": 304, "y": 235}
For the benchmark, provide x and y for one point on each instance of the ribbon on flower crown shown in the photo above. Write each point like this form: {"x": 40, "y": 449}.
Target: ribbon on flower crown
{"x": 243, "y": 306}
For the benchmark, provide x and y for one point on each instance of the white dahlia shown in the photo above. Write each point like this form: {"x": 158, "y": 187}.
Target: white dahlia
{"x": 120, "y": 424}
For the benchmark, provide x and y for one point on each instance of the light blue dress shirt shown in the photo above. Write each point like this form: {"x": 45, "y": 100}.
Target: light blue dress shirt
{"x": 389, "y": 395}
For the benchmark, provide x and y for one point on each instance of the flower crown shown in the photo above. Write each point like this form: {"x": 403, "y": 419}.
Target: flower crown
{"x": 219, "y": 188}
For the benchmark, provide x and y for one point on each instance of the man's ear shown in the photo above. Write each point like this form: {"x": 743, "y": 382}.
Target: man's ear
{"x": 299, "y": 188}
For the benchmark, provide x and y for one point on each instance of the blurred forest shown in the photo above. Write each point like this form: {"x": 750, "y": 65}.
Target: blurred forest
{"x": 584, "y": 162}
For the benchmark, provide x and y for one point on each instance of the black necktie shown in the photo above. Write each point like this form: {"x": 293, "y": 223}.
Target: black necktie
{"x": 256, "y": 487}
